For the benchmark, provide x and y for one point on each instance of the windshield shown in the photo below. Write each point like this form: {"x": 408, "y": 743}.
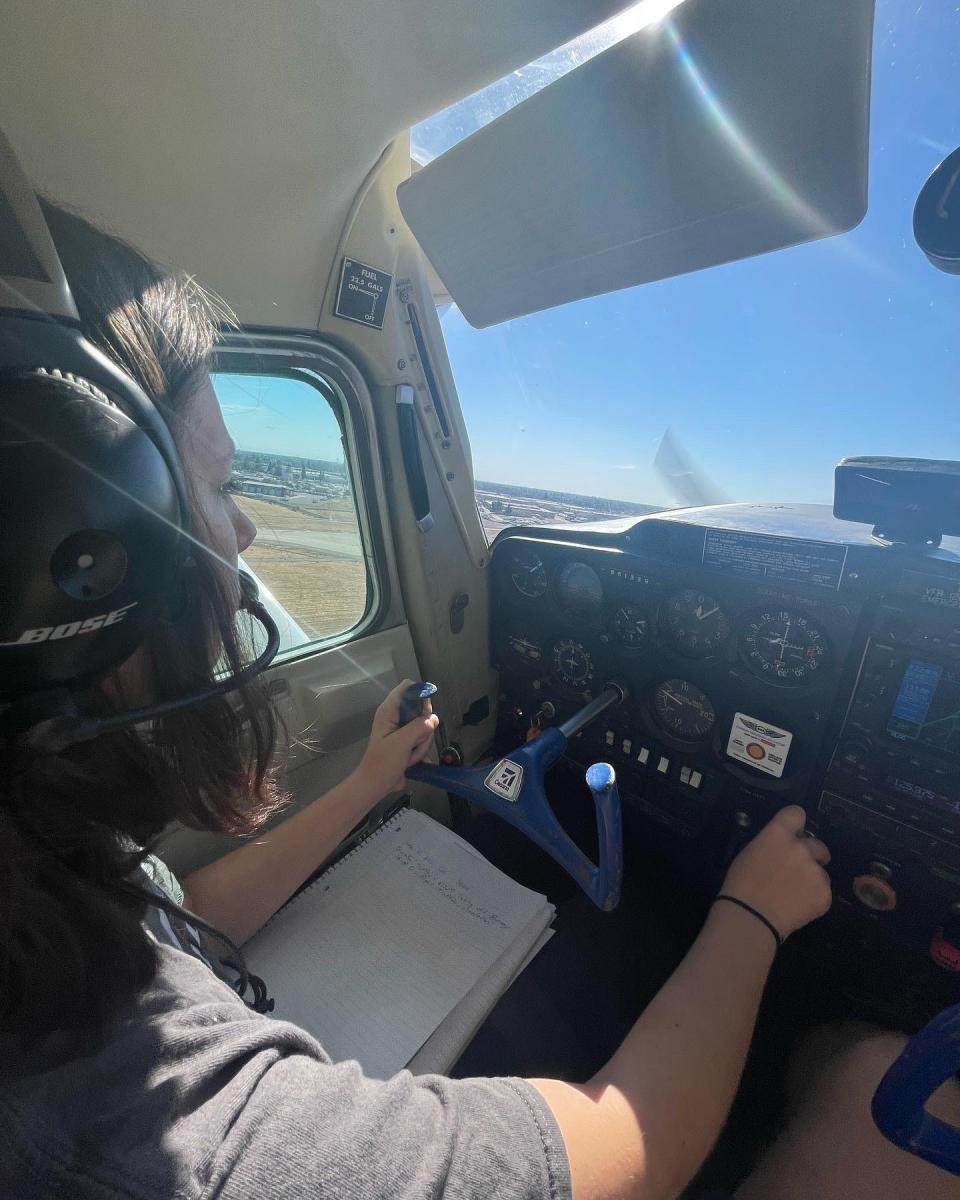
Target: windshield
{"x": 743, "y": 382}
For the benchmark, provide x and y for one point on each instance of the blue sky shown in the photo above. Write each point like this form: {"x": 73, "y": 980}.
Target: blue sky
{"x": 282, "y": 416}
{"x": 767, "y": 371}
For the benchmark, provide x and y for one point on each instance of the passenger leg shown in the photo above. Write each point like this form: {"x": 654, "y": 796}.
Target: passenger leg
{"x": 831, "y": 1149}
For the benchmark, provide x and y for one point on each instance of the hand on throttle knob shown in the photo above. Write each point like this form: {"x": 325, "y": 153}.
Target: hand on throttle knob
{"x": 393, "y": 747}
{"x": 780, "y": 873}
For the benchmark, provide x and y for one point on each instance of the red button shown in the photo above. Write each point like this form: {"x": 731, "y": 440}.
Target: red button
{"x": 945, "y": 954}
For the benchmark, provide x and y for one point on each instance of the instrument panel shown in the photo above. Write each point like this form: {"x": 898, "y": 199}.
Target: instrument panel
{"x": 769, "y": 656}
{"x": 784, "y": 645}
{"x": 692, "y": 652}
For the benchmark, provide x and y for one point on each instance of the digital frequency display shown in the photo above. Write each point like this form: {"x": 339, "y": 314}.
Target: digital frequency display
{"x": 927, "y": 708}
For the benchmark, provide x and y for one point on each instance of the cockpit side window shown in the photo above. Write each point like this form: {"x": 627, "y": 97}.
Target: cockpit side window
{"x": 292, "y": 478}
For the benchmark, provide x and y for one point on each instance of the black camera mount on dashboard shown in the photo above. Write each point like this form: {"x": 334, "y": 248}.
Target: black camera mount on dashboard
{"x": 909, "y": 501}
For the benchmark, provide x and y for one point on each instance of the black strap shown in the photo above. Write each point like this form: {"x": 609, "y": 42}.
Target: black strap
{"x": 759, "y": 915}
{"x": 262, "y": 1002}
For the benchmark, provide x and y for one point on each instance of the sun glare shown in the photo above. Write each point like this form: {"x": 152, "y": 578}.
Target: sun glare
{"x": 637, "y": 17}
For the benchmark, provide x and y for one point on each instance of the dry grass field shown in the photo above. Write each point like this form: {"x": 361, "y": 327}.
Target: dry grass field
{"x": 324, "y": 594}
{"x": 326, "y": 516}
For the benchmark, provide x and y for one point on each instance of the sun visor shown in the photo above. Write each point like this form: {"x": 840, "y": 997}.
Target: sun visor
{"x": 725, "y": 131}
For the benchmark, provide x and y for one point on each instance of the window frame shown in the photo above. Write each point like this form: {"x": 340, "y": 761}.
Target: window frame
{"x": 340, "y": 385}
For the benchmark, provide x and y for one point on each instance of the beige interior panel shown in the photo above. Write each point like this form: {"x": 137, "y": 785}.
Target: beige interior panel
{"x": 327, "y": 701}
{"x": 451, "y": 559}
{"x": 230, "y": 137}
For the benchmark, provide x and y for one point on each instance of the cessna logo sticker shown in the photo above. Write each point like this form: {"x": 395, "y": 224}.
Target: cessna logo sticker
{"x": 759, "y": 744}
{"x": 505, "y": 779}
{"x": 57, "y": 633}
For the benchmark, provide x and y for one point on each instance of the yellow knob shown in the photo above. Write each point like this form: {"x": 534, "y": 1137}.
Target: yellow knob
{"x": 875, "y": 893}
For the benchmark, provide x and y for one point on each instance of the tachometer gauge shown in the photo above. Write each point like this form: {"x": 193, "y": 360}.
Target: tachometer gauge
{"x": 525, "y": 648}
{"x": 630, "y": 626}
{"x": 528, "y": 573}
{"x": 683, "y": 710}
{"x": 579, "y": 590}
{"x": 783, "y": 646}
{"x": 573, "y": 664}
{"x": 694, "y": 623}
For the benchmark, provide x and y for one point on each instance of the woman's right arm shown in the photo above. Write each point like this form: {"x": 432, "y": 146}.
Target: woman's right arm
{"x": 642, "y": 1127}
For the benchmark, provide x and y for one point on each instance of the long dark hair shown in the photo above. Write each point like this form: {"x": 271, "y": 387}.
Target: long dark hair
{"x": 73, "y": 826}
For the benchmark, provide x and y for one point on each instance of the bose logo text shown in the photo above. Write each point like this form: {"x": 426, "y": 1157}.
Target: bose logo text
{"x": 57, "y": 633}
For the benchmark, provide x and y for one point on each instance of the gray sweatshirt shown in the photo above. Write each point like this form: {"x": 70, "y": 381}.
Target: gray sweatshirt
{"x": 194, "y": 1095}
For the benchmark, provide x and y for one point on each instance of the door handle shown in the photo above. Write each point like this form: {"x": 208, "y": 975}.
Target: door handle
{"x": 412, "y": 460}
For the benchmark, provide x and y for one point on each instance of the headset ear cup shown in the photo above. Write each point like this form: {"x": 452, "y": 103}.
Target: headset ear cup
{"x": 91, "y": 542}
{"x": 182, "y": 594}
{"x": 94, "y": 510}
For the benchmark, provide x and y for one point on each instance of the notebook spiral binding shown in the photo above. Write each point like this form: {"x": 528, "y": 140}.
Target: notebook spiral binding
{"x": 389, "y": 820}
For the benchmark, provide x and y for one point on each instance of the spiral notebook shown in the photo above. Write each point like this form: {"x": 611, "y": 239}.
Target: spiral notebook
{"x": 397, "y": 952}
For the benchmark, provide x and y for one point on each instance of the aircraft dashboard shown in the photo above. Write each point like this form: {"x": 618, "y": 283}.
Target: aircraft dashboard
{"x": 770, "y": 655}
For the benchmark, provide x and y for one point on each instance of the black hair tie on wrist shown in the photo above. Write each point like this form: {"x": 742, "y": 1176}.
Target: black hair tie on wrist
{"x": 759, "y": 915}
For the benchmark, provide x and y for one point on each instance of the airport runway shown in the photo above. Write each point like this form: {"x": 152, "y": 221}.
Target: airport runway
{"x": 345, "y": 545}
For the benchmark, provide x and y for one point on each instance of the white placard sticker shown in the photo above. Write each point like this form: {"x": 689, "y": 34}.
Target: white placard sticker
{"x": 505, "y": 779}
{"x": 760, "y": 744}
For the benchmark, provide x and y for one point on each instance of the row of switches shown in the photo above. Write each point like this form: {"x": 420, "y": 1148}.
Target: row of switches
{"x": 688, "y": 775}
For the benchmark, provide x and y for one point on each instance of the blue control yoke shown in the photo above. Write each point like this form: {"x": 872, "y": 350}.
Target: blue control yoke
{"x": 927, "y": 1061}
{"x": 513, "y": 789}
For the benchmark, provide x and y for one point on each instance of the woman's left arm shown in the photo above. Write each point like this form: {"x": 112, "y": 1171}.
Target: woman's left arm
{"x": 241, "y": 891}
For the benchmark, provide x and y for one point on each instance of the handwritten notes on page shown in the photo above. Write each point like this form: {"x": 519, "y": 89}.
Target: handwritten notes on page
{"x": 376, "y": 954}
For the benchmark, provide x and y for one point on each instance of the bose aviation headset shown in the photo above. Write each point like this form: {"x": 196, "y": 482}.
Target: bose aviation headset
{"x": 95, "y": 544}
